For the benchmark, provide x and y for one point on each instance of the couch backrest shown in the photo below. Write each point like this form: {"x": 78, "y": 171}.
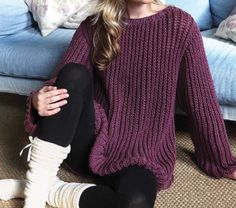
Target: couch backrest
{"x": 199, "y": 9}
{"x": 14, "y": 16}
{"x": 221, "y": 9}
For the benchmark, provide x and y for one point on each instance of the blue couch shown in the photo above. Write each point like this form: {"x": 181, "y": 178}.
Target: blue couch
{"x": 27, "y": 59}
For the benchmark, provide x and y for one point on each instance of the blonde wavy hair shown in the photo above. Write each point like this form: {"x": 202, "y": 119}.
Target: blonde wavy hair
{"x": 108, "y": 21}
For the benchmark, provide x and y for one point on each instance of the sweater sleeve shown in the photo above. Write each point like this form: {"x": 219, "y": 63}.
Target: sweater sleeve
{"x": 77, "y": 52}
{"x": 197, "y": 97}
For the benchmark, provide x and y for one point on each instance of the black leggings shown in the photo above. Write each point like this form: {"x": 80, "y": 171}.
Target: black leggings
{"x": 132, "y": 187}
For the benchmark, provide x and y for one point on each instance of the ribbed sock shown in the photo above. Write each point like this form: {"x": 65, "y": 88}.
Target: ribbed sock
{"x": 66, "y": 195}
{"x": 45, "y": 159}
{"x": 11, "y": 189}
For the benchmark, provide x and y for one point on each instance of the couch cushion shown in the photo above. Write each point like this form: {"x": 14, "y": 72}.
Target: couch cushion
{"x": 27, "y": 54}
{"x": 200, "y": 11}
{"x": 221, "y": 9}
{"x": 14, "y": 17}
{"x": 221, "y": 58}
{"x": 21, "y": 86}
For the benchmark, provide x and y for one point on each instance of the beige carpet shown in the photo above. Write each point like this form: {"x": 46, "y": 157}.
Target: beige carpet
{"x": 191, "y": 189}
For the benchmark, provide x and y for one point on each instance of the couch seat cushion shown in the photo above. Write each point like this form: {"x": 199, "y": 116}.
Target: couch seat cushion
{"x": 27, "y": 54}
{"x": 221, "y": 58}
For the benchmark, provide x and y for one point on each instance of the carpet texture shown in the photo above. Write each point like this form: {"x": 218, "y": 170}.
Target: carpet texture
{"x": 191, "y": 189}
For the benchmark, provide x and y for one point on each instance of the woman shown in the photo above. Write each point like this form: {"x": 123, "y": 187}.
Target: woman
{"x": 139, "y": 57}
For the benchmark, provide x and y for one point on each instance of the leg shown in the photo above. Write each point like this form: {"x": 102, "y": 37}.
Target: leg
{"x": 61, "y": 127}
{"x": 55, "y": 135}
{"x": 81, "y": 128}
{"x": 133, "y": 187}
{"x": 78, "y": 159}
{"x": 135, "y": 183}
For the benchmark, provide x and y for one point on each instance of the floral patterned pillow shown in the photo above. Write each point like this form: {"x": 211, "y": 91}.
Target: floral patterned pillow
{"x": 227, "y": 28}
{"x": 51, "y": 14}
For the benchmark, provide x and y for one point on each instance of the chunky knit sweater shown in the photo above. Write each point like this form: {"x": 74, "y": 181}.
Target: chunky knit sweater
{"x": 162, "y": 63}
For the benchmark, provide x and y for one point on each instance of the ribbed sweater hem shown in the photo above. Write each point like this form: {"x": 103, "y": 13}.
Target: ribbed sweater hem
{"x": 99, "y": 165}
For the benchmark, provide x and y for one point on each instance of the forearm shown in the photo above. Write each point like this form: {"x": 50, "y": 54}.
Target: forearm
{"x": 197, "y": 97}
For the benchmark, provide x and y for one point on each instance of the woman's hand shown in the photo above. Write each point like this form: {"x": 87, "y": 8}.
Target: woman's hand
{"x": 48, "y": 100}
{"x": 232, "y": 175}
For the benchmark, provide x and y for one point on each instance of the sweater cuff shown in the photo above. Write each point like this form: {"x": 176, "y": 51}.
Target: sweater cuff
{"x": 218, "y": 170}
{"x": 31, "y": 116}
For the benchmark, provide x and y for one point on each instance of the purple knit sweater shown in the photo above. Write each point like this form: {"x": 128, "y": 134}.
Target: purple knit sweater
{"x": 162, "y": 63}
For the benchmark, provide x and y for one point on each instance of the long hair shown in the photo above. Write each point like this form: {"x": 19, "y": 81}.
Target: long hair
{"x": 108, "y": 21}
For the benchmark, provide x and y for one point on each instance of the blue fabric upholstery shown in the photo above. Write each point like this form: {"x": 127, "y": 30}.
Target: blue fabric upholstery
{"x": 200, "y": 11}
{"x": 14, "y": 17}
{"x": 28, "y": 54}
{"x": 221, "y": 9}
{"x": 221, "y": 58}
{"x": 21, "y": 86}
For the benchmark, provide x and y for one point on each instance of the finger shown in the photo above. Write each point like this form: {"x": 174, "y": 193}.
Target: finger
{"x": 56, "y": 105}
{"x": 48, "y": 88}
{"x": 52, "y": 112}
{"x": 56, "y": 98}
{"x": 55, "y": 92}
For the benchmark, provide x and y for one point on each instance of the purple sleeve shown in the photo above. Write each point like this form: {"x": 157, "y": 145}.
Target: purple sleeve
{"x": 77, "y": 52}
{"x": 197, "y": 97}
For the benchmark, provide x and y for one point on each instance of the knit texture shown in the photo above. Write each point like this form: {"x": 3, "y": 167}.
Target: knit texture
{"x": 162, "y": 63}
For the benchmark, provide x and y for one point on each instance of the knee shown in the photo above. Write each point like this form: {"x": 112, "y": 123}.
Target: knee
{"x": 138, "y": 200}
{"x": 74, "y": 76}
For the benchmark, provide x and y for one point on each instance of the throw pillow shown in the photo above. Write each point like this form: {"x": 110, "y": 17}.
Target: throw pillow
{"x": 227, "y": 28}
{"x": 51, "y": 14}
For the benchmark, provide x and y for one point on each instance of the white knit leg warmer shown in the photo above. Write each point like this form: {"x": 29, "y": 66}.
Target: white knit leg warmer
{"x": 61, "y": 194}
{"x": 66, "y": 195}
{"x": 45, "y": 159}
{"x": 11, "y": 189}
